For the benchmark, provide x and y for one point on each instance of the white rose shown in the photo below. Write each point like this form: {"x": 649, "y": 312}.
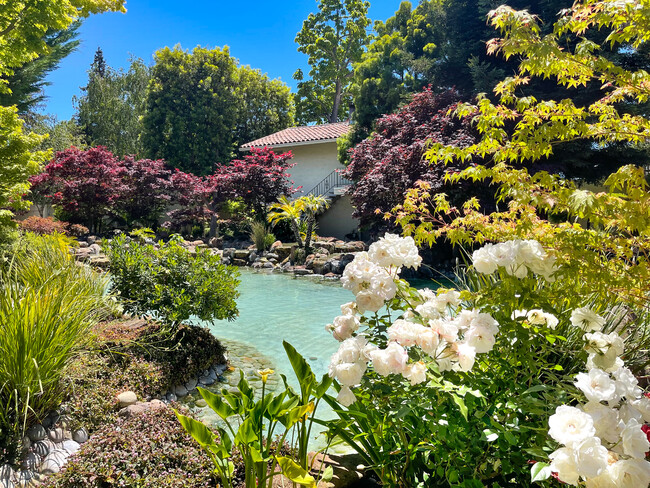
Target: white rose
{"x": 606, "y": 421}
{"x": 383, "y": 285}
{"x": 346, "y": 397}
{"x": 586, "y": 319}
{"x": 466, "y": 318}
{"x": 608, "y": 363}
{"x": 404, "y": 332}
{"x": 349, "y": 308}
{"x": 630, "y": 473}
{"x": 428, "y": 310}
{"x": 367, "y": 301}
{"x": 642, "y": 404}
{"x": 604, "y": 480}
{"x": 428, "y": 340}
{"x": 626, "y": 384}
{"x": 449, "y": 298}
{"x": 465, "y": 355}
{"x": 483, "y": 261}
{"x": 596, "y": 385}
{"x": 628, "y": 411}
{"x": 480, "y": 338}
{"x": 415, "y": 373}
{"x": 539, "y": 317}
{"x": 570, "y": 426}
{"x": 344, "y": 326}
{"x": 564, "y": 463}
{"x": 504, "y": 254}
{"x": 591, "y": 457}
{"x": 350, "y": 350}
{"x": 391, "y": 360}
{"x": 349, "y": 374}
{"x": 634, "y": 441}
{"x": 445, "y": 329}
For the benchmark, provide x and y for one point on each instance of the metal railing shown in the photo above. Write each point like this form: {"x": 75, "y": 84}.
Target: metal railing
{"x": 328, "y": 185}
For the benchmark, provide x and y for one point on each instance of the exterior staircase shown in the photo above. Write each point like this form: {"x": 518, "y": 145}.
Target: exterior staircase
{"x": 333, "y": 185}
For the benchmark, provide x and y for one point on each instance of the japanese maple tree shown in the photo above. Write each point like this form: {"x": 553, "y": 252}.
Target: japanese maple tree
{"x": 258, "y": 179}
{"x": 390, "y": 162}
{"x": 147, "y": 191}
{"x": 85, "y": 184}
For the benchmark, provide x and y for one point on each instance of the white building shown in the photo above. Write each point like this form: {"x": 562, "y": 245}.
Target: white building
{"x": 316, "y": 170}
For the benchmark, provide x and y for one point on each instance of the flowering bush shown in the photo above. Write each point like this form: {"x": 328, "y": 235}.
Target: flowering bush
{"x": 457, "y": 386}
{"x": 146, "y": 450}
{"x": 605, "y": 442}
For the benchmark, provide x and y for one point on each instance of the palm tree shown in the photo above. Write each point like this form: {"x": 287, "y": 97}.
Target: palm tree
{"x": 312, "y": 205}
{"x": 285, "y": 209}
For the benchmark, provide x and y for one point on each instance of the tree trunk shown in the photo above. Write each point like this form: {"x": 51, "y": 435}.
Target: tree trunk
{"x": 214, "y": 229}
{"x": 310, "y": 230}
{"x": 334, "y": 116}
{"x": 296, "y": 232}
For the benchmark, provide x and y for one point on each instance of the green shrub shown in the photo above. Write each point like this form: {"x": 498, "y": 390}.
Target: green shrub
{"x": 171, "y": 282}
{"x": 261, "y": 236}
{"x": 149, "y": 450}
{"x": 48, "y": 304}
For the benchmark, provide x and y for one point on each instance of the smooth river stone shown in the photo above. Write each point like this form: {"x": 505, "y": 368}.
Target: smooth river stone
{"x": 36, "y": 433}
{"x": 54, "y": 461}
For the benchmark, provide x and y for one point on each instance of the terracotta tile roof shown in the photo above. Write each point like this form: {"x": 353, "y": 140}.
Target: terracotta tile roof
{"x": 301, "y": 135}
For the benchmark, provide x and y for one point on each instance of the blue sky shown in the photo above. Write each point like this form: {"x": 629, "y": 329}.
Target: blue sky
{"x": 260, "y": 33}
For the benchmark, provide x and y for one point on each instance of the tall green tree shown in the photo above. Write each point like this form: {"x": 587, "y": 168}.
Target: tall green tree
{"x": 334, "y": 38}
{"x": 109, "y": 111}
{"x": 28, "y": 82}
{"x": 264, "y": 106}
{"x": 191, "y": 108}
{"x": 23, "y": 28}
{"x": 201, "y": 106}
{"x": 61, "y": 134}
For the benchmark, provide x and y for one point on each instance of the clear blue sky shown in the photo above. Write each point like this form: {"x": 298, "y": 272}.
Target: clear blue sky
{"x": 260, "y": 33}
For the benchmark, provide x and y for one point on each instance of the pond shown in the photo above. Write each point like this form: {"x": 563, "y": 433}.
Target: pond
{"x": 273, "y": 308}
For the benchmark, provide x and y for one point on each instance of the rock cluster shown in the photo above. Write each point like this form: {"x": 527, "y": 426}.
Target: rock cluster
{"x": 207, "y": 378}
{"x": 46, "y": 447}
{"x": 328, "y": 259}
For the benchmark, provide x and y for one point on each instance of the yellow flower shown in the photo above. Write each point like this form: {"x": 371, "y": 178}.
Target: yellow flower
{"x": 264, "y": 373}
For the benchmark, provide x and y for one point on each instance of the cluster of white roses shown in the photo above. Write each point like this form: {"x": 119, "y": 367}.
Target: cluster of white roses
{"x": 517, "y": 257}
{"x": 603, "y": 440}
{"x": 432, "y": 323}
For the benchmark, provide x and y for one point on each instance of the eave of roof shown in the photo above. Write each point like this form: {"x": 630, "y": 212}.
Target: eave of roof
{"x": 299, "y": 136}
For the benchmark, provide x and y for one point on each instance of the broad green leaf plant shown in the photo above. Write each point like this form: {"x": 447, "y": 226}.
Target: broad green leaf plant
{"x": 252, "y": 426}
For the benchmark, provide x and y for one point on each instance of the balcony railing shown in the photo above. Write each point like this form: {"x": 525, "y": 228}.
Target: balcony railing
{"x": 333, "y": 184}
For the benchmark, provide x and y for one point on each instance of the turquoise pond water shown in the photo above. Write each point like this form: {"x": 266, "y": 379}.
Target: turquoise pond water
{"x": 274, "y": 307}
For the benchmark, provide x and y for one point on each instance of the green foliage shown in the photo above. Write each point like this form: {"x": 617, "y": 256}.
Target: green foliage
{"x": 300, "y": 213}
{"x": 334, "y": 38}
{"x": 28, "y": 81}
{"x": 250, "y": 425}
{"x": 147, "y": 450}
{"x": 17, "y": 164}
{"x": 603, "y": 236}
{"x": 47, "y": 305}
{"x": 171, "y": 282}
{"x": 62, "y": 134}
{"x": 264, "y": 106}
{"x": 261, "y": 236}
{"x": 109, "y": 112}
{"x": 201, "y": 106}
{"x": 23, "y": 30}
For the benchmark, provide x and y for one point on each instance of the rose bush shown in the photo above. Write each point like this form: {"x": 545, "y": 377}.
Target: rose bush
{"x": 456, "y": 387}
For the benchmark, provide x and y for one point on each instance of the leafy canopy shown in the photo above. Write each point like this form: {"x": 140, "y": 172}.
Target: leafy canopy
{"x": 603, "y": 236}
{"x": 23, "y": 30}
{"x": 334, "y": 38}
{"x": 201, "y": 106}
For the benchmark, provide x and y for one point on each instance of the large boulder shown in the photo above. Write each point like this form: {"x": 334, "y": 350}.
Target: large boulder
{"x": 127, "y": 398}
